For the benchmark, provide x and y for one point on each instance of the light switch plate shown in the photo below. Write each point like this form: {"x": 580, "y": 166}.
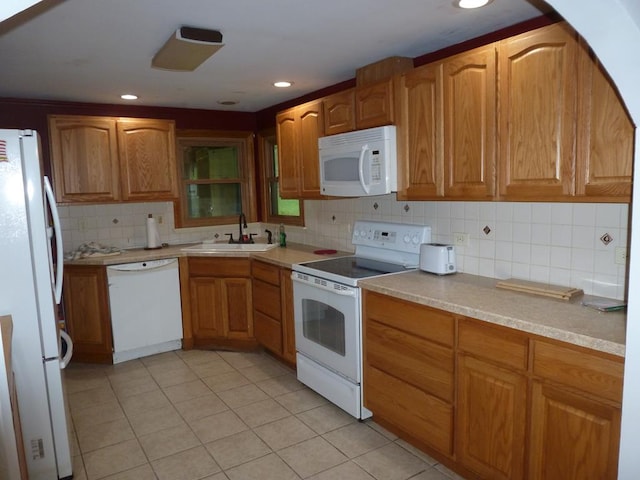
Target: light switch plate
{"x": 461, "y": 239}
{"x": 621, "y": 256}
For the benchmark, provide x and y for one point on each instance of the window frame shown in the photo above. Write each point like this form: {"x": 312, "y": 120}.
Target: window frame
{"x": 266, "y": 140}
{"x": 244, "y": 141}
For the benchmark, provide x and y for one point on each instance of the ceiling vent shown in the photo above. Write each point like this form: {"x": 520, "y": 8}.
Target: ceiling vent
{"x": 187, "y": 48}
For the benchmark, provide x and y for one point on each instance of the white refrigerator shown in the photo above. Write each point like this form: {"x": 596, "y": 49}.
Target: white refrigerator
{"x": 30, "y": 288}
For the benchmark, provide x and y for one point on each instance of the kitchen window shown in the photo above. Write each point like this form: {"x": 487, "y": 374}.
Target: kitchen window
{"x": 216, "y": 178}
{"x": 274, "y": 208}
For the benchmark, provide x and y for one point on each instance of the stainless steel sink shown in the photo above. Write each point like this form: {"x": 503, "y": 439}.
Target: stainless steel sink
{"x": 229, "y": 247}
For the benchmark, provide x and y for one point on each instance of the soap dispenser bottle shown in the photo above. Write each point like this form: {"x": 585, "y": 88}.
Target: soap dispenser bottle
{"x": 283, "y": 236}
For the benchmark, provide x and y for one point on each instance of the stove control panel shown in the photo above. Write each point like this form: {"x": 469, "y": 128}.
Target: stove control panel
{"x": 401, "y": 237}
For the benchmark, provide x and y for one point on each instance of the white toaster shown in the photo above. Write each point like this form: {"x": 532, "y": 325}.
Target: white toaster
{"x": 437, "y": 258}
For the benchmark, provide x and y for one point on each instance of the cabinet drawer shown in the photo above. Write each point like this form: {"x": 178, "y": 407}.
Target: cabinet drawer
{"x": 420, "y": 320}
{"x": 268, "y": 332}
{"x": 419, "y": 362}
{"x": 265, "y": 272}
{"x": 266, "y": 298}
{"x": 583, "y": 370}
{"x": 219, "y": 267}
{"x": 499, "y": 344}
{"x": 420, "y": 415}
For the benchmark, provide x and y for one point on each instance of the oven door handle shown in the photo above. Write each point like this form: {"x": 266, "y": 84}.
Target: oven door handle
{"x": 328, "y": 286}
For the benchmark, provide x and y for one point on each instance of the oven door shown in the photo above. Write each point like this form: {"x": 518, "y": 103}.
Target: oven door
{"x": 327, "y": 324}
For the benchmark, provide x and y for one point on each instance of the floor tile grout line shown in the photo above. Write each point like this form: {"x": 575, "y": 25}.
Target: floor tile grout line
{"x": 233, "y": 409}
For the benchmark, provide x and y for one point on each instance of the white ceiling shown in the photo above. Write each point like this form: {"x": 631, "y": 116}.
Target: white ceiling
{"x": 94, "y": 50}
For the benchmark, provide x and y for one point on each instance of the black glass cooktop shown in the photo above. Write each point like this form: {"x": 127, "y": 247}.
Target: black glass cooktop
{"x": 355, "y": 267}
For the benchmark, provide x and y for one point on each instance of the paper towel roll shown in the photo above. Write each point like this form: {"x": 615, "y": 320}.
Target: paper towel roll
{"x": 153, "y": 237}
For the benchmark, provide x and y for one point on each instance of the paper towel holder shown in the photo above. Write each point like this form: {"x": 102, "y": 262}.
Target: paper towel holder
{"x": 153, "y": 237}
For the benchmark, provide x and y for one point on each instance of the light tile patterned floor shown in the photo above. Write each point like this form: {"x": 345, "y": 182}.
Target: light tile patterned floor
{"x": 197, "y": 414}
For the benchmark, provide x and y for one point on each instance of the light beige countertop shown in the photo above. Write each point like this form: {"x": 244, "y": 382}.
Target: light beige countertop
{"x": 478, "y": 297}
{"x": 283, "y": 257}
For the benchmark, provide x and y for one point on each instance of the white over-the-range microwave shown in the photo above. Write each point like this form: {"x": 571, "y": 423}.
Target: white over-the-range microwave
{"x": 360, "y": 163}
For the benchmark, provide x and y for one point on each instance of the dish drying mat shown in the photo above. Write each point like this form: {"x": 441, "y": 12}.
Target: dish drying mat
{"x": 542, "y": 289}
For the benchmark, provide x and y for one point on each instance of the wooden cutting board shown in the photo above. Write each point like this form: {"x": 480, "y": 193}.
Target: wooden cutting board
{"x": 543, "y": 289}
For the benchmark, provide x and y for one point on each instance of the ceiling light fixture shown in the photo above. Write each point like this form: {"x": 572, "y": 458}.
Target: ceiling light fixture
{"x": 282, "y": 84}
{"x": 473, "y": 3}
{"x": 128, "y": 96}
{"x": 187, "y": 49}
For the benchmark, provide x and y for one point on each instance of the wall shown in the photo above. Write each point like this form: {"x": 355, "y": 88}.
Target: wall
{"x": 546, "y": 242}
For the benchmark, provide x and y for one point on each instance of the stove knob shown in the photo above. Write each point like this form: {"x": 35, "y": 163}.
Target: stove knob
{"x": 363, "y": 233}
{"x": 416, "y": 239}
{"x": 407, "y": 238}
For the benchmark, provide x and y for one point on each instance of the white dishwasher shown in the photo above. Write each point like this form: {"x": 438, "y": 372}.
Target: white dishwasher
{"x": 146, "y": 314}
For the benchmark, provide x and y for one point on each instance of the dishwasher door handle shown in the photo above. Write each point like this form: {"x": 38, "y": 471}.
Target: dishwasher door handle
{"x": 142, "y": 266}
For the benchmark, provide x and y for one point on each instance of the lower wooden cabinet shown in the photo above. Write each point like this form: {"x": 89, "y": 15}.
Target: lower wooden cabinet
{"x": 409, "y": 369}
{"x": 273, "y": 309}
{"x": 87, "y": 317}
{"x": 572, "y": 435}
{"x": 491, "y": 419}
{"x": 219, "y": 302}
{"x": 512, "y": 406}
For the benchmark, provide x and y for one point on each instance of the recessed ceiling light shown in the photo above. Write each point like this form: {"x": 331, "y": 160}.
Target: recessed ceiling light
{"x": 472, "y": 3}
{"x": 227, "y": 102}
{"x": 129, "y": 96}
{"x": 282, "y": 84}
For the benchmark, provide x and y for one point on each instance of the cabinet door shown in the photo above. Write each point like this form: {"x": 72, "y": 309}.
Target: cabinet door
{"x": 288, "y": 160}
{"x": 419, "y": 134}
{"x": 266, "y": 314}
{"x": 339, "y": 112}
{"x": 491, "y": 419}
{"x": 469, "y": 92}
{"x": 374, "y": 105}
{"x": 311, "y": 125}
{"x": 287, "y": 320}
{"x": 206, "y": 311}
{"x": 537, "y": 105}
{"x": 572, "y": 436}
{"x": 87, "y": 313}
{"x": 604, "y": 157}
{"x": 237, "y": 307}
{"x": 84, "y": 153}
{"x": 147, "y": 159}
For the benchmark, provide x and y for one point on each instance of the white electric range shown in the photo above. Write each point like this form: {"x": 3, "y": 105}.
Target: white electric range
{"x": 328, "y": 310}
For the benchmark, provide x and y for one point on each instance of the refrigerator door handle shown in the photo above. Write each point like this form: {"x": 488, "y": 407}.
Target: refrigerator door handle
{"x": 57, "y": 228}
{"x": 64, "y": 361}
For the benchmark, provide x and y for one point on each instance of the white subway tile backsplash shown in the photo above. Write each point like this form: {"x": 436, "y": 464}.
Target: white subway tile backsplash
{"x": 584, "y": 214}
{"x": 583, "y": 237}
{"x": 550, "y": 242}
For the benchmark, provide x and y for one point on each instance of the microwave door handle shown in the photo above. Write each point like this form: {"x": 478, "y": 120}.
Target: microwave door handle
{"x": 365, "y": 187}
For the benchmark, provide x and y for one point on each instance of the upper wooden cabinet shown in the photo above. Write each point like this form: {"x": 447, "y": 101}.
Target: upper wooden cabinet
{"x": 340, "y": 112}
{"x": 147, "y": 159}
{"x": 359, "y": 108}
{"x": 564, "y": 134}
{"x": 605, "y": 136}
{"x": 447, "y": 128}
{"x": 108, "y": 159}
{"x": 84, "y": 152}
{"x": 419, "y": 134}
{"x": 538, "y": 94}
{"x": 469, "y": 94}
{"x": 298, "y": 130}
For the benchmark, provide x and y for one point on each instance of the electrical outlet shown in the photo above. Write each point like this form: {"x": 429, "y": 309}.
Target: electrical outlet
{"x": 461, "y": 239}
{"x": 621, "y": 256}
{"x": 82, "y": 224}
{"x": 160, "y": 220}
